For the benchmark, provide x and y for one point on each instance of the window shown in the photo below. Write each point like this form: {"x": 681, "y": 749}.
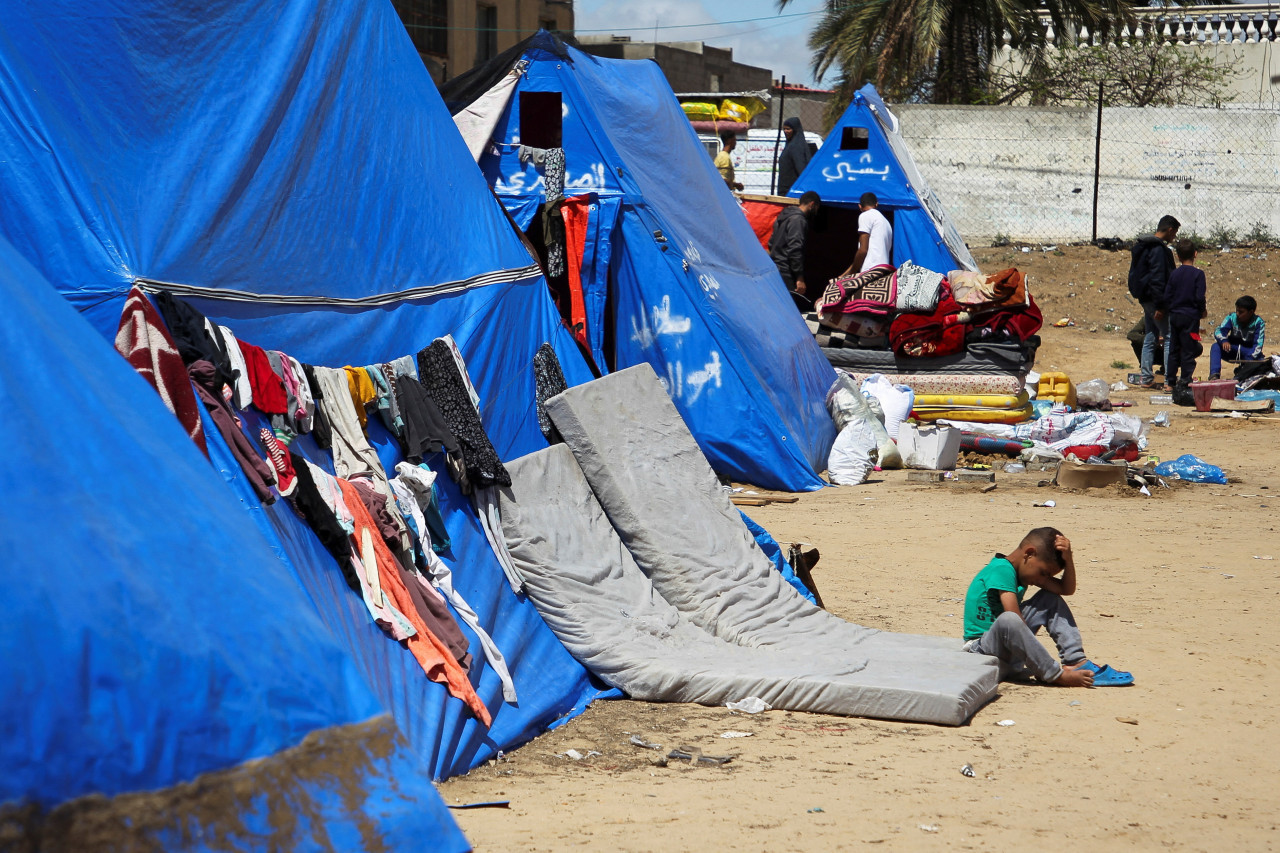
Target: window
{"x": 715, "y": 82}
{"x": 548, "y": 24}
{"x": 428, "y": 24}
{"x": 540, "y": 119}
{"x": 854, "y": 139}
{"x": 486, "y": 33}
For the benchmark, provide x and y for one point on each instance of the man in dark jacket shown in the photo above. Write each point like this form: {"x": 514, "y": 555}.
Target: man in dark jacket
{"x": 1149, "y": 270}
{"x": 786, "y": 244}
{"x": 795, "y": 156}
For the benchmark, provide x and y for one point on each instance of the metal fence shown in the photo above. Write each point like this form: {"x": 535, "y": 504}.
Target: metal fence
{"x": 1030, "y": 172}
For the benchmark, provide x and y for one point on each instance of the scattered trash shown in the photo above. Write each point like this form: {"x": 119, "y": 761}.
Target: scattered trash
{"x": 1014, "y": 468}
{"x": 636, "y": 740}
{"x": 491, "y": 804}
{"x": 1263, "y": 557}
{"x": 1161, "y": 419}
{"x": 750, "y": 705}
{"x": 967, "y": 770}
{"x": 737, "y": 734}
{"x": 1026, "y": 249}
{"x": 1064, "y": 322}
{"x": 572, "y": 753}
{"x": 1227, "y": 576}
{"x": 1119, "y": 386}
{"x": 1049, "y": 504}
{"x": 816, "y": 810}
{"x": 1094, "y": 392}
{"x": 930, "y": 827}
{"x": 1074, "y": 702}
{"x": 694, "y": 755}
{"x": 1192, "y": 469}
{"x": 1130, "y": 720}
{"x": 1145, "y": 491}
{"x": 658, "y": 761}
{"x": 1005, "y": 723}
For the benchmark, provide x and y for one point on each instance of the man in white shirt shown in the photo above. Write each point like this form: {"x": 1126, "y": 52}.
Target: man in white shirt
{"x": 875, "y": 237}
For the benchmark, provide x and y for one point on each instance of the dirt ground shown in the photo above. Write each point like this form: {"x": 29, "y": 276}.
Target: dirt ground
{"x": 1180, "y": 588}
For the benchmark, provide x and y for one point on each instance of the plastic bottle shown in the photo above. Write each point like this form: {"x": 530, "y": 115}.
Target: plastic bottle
{"x": 1161, "y": 419}
{"x": 1014, "y": 468}
{"x": 1161, "y": 399}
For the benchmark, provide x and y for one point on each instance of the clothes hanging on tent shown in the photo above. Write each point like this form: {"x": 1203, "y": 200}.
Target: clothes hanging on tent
{"x": 147, "y": 345}
{"x": 322, "y": 520}
{"x": 405, "y": 365}
{"x": 284, "y": 422}
{"x": 431, "y": 654}
{"x": 362, "y": 393}
{"x": 352, "y": 453}
{"x": 305, "y": 415}
{"x": 485, "y": 500}
{"x": 425, "y": 430}
{"x": 548, "y": 381}
{"x": 268, "y": 389}
{"x": 188, "y": 328}
{"x": 320, "y": 430}
{"x": 576, "y": 212}
{"x": 385, "y": 399}
{"x": 444, "y": 384}
{"x": 208, "y": 384}
{"x": 242, "y": 391}
{"x": 414, "y": 485}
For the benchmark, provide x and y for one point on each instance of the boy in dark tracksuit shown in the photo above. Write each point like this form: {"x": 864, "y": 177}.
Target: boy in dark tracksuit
{"x": 1149, "y": 270}
{"x": 1185, "y": 303}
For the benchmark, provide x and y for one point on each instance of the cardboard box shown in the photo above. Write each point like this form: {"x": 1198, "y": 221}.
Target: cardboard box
{"x": 1082, "y": 475}
{"x": 932, "y": 448}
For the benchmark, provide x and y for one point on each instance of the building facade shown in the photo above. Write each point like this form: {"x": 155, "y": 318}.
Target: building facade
{"x": 689, "y": 66}
{"x": 454, "y": 36}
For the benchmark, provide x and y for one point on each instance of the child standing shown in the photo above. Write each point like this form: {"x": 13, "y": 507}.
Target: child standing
{"x": 1184, "y": 301}
{"x": 1240, "y": 337}
{"x": 998, "y": 623}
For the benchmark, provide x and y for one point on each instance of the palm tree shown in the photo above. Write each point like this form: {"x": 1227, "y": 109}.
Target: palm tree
{"x": 938, "y": 50}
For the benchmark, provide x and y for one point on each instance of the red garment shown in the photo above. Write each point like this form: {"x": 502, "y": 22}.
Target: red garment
{"x": 576, "y": 211}
{"x": 269, "y": 396}
{"x": 147, "y": 345}
{"x": 761, "y": 216}
{"x": 435, "y": 659}
{"x": 924, "y": 335}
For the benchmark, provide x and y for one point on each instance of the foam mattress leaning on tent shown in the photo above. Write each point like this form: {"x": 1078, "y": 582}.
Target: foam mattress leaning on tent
{"x": 677, "y": 525}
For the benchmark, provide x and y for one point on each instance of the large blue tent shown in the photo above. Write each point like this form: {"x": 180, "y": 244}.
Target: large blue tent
{"x": 672, "y": 274}
{"x": 865, "y": 152}
{"x": 289, "y": 169}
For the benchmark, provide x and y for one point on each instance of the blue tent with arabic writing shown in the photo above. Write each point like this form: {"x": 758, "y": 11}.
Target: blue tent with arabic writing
{"x": 865, "y": 152}
{"x": 671, "y": 272}
{"x": 289, "y": 169}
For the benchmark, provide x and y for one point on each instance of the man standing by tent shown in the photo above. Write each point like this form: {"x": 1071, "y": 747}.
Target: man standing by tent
{"x": 786, "y": 244}
{"x": 875, "y": 237}
{"x": 795, "y": 156}
{"x": 724, "y": 164}
{"x": 1149, "y": 269}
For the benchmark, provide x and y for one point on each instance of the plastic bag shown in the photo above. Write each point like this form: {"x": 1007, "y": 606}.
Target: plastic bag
{"x": 1093, "y": 393}
{"x": 699, "y": 110}
{"x": 1192, "y": 469}
{"x": 849, "y": 463}
{"x": 895, "y": 400}
{"x": 846, "y": 403}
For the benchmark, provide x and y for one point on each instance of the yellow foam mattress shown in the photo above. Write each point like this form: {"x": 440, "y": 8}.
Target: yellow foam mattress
{"x": 976, "y": 414}
{"x": 985, "y": 401}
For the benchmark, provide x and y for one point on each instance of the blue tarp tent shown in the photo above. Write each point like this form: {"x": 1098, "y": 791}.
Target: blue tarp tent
{"x": 290, "y": 170}
{"x": 672, "y": 273}
{"x": 865, "y": 152}
{"x": 150, "y": 635}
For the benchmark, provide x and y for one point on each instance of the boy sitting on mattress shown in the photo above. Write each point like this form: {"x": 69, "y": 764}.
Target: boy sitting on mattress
{"x": 997, "y": 622}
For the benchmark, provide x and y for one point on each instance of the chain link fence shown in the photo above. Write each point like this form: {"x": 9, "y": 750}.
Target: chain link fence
{"x": 1028, "y": 173}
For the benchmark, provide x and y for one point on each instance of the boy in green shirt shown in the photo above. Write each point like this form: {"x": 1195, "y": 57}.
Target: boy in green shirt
{"x": 998, "y": 623}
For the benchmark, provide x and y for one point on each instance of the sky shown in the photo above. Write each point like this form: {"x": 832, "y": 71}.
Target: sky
{"x": 764, "y": 37}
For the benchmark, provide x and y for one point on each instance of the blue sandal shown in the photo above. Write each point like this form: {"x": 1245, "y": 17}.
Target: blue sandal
{"x": 1105, "y": 676}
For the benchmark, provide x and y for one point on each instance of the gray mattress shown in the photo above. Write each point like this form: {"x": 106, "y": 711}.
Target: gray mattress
{"x": 980, "y": 359}
{"x": 670, "y": 512}
{"x": 607, "y": 613}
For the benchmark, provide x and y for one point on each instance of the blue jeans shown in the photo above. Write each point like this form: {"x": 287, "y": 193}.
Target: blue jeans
{"x": 1154, "y": 329}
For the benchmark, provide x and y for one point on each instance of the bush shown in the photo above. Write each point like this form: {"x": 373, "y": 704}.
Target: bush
{"x": 1223, "y": 237}
{"x": 1121, "y": 365}
{"x": 1260, "y": 233}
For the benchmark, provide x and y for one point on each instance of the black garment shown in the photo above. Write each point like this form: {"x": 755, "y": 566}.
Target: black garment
{"x": 1183, "y": 348}
{"x": 187, "y": 326}
{"x": 1150, "y": 264}
{"x": 795, "y": 156}
{"x": 548, "y": 381}
{"x": 786, "y": 244}
{"x": 425, "y": 430}
{"x": 320, "y": 518}
{"x": 1184, "y": 295}
{"x": 320, "y": 429}
{"x": 439, "y": 375}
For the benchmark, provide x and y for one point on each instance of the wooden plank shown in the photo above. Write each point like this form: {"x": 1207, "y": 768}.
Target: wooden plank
{"x": 737, "y": 501}
{"x": 1218, "y": 404}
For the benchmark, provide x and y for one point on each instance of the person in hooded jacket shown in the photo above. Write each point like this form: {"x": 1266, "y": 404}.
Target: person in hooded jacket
{"x": 795, "y": 156}
{"x": 787, "y": 243}
{"x": 1149, "y": 269}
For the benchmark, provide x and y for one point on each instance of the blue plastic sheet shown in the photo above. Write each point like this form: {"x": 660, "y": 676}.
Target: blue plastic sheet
{"x": 773, "y": 551}
{"x": 693, "y": 292}
{"x": 1192, "y": 469}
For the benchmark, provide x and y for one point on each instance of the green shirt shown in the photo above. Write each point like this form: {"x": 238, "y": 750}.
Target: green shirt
{"x": 982, "y": 601}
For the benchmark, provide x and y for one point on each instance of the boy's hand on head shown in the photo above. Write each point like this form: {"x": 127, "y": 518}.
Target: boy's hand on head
{"x": 1063, "y": 544}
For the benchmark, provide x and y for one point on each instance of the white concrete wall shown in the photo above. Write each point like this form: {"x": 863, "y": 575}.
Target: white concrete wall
{"x": 1027, "y": 172}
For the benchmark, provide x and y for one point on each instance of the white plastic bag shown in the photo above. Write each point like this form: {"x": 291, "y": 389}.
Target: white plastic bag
{"x": 846, "y": 405}
{"x": 1093, "y": 393}
{"x": 895, "y": 400}
{"x": 850, "y": 463}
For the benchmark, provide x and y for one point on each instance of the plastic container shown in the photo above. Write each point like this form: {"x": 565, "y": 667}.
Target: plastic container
{"x": 1056, "y": 387}
{"x": 1205, "y": 392}
{"x": 929, "y": 448}
{"x": 1160, "y": 399}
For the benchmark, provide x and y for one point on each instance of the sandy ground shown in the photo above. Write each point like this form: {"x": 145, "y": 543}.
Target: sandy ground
{"x": 1180, "y": 588}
